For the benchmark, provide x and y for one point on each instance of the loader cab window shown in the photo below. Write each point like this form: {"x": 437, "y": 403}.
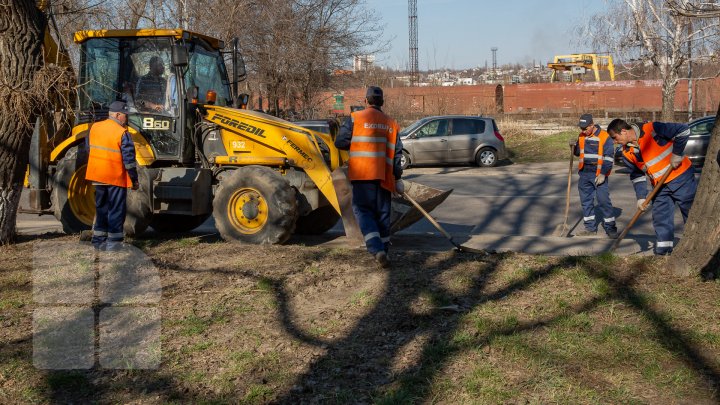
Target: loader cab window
{"x": 135, "y": 70}
{"x": 206, "y": 70}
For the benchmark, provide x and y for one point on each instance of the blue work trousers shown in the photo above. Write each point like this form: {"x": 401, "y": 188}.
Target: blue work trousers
{"x": 371, "y": 204}
{"x": 588, "y": 191}
{"x": 109, "y": 216}
{"x": 680, "y": 190}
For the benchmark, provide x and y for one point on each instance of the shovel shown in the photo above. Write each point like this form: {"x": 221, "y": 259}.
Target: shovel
{"x": 562, "y": 230}
{"x": 343, "y": 189}
{"x": 640, "y": 211}
{"x": 437, "y": 226}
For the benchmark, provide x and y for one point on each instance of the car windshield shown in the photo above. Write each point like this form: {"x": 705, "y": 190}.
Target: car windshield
{"x": 412, "y": 127}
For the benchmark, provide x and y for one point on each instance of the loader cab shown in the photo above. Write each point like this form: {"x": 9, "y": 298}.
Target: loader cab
{"x": 160, "y": 74}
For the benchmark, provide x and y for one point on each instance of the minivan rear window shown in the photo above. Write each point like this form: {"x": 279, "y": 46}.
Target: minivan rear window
{"x": 467, "y": 126}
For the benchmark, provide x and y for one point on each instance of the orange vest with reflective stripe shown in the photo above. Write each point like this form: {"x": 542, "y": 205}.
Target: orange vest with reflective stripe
{"x": 603, "y": 136}
{"x": 105, "y": 163}
{"x": 656, "y": 158}
{"x": 372, "y": 149}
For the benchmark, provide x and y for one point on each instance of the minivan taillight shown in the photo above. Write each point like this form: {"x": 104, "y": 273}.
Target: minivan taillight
{"x": 498, "y": 136}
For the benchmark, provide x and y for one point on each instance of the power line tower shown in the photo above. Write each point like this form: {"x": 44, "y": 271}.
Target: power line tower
{"x": 494, "y": 52}
{"x": 413, "y": 34}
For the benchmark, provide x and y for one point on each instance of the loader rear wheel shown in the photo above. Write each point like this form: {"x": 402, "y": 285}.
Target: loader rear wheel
{"x": 318, "y": 221}
{"x": 172, "y": 223}
{"x": 255, "y": 204}
{"x": 73, "y": 198}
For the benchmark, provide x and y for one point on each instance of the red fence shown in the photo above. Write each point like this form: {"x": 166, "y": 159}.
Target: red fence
{"x": 642, "y": 97}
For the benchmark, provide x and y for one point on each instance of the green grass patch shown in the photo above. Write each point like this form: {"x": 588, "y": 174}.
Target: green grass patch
{"x": 529, "y": 148}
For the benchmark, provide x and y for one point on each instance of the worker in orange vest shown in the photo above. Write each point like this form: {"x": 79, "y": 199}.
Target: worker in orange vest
{"x": 112, "y": 170}
{"x": 595, "y": 149}
{"x": 650, "y": 150}
{"x": 374, "y": 170}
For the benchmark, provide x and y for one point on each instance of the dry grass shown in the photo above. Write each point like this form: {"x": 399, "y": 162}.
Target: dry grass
{"x": 291, "y": 324}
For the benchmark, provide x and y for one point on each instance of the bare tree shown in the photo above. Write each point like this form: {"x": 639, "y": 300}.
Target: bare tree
{"x": 699, "y": 249}
{"x": 21, "y": 32}
{"x": 650, "y": 32}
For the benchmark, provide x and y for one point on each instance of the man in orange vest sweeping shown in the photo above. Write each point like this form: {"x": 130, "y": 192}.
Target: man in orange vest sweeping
{"x": 651, "y": 150}
{"x": 112, "y": 169}
{"x": 374, "y": 170}
{"x": 595, "y": 149}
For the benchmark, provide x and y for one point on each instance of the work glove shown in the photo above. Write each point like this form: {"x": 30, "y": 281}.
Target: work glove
{"x": 399, "y": 187}
{"x": 676, "y": 161}
{"x": 640, "y": 203}
{"x": 600, "y": 179}
{"x": 135, "y": 185}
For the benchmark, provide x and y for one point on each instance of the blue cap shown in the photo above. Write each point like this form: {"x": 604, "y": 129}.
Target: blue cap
{"x": 374, "y": 91}
{"x": 118, "y": 107}
{"x": 585, "y": 121}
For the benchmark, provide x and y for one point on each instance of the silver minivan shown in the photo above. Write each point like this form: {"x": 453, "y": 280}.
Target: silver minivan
{"x": 452, "y": 139}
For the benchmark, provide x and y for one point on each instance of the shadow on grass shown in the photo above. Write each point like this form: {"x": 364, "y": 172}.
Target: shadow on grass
{"x": 359, "y": 365}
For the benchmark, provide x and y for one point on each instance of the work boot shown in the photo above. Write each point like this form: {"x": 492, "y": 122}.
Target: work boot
{"x": 613, "y": 234}
{"x": 382, "y": 259}
{"x": 586, "y": 232}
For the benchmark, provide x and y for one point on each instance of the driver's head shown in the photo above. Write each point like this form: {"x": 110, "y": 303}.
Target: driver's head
{"x": 157, "y": 67}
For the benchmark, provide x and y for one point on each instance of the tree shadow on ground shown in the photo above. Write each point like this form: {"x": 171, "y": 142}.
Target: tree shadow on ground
{"x": 358, "y": 367}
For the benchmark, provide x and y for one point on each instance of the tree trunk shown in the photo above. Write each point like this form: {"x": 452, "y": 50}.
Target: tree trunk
{"x": 699, "y": 248}
{"x": 21, "y": 30}
{"x": 668, "y": 97}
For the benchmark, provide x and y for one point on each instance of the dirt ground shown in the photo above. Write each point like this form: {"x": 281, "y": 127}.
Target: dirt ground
{"x": 299, "y": 324}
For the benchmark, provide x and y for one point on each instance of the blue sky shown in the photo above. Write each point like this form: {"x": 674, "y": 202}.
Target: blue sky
{"x": 459, "y": 33}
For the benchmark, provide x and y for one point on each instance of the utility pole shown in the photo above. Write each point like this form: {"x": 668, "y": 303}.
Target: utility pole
{"x": 413, "y": 34}
{"x": 494, "y": 50}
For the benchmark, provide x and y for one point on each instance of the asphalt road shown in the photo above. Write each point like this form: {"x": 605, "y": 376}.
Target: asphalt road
{"x": 510, "y": 207}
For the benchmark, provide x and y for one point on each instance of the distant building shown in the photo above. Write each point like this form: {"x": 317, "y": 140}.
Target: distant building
{"x": 363, "y": 62}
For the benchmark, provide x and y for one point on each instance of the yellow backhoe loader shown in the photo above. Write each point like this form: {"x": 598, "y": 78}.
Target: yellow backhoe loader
{"x": 200, "y": 153}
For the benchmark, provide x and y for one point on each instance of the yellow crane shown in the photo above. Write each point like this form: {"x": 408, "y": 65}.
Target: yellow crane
{"x": 579, "y": 63}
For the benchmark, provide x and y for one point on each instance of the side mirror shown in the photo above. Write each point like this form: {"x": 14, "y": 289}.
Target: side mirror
{"x": 179, "y": 55}
{"x": 192, "y": 94}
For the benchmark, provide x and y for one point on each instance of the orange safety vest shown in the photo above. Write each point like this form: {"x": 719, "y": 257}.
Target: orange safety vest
{"x": 372, "y": 149}
{"x": 105, "y": 163}
{"x": 603, "y": 136}
{"x": 656, "y": 158}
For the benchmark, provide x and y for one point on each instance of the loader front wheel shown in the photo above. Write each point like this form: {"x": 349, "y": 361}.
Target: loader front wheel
{"x": 318, "y": 221}
{"x": 256, "y": 205}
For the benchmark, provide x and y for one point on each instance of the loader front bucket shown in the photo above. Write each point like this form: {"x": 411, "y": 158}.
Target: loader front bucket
{"x": 405, "y": 214}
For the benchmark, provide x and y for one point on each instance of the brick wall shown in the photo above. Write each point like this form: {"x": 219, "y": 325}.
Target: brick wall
{"x": 638, "y": 97}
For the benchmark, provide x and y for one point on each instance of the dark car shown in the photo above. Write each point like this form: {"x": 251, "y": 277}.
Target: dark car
{"x": 696, "y": 148}
{"x": 700, "y": 130}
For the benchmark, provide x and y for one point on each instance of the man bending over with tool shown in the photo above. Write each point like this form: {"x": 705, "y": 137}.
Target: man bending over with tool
{"x": 374, "y": 170}
{"x": 595, "y": 149}
{"x": 652, "y": 149}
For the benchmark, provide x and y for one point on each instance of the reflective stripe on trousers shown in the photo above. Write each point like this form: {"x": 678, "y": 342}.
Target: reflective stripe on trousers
{"x": 109, "y": 214}
{"x": 680, "y": 191}
{"x": 371, "y": 205}
{"x": 588, "y": 192}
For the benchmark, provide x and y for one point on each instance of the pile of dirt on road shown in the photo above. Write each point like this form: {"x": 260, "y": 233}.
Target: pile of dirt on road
{"x": 299, "y": 324}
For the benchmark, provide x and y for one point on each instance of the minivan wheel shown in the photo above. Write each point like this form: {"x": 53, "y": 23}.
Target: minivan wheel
{"x": 486, "y": 157}
{"x": 404, "y": 160}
